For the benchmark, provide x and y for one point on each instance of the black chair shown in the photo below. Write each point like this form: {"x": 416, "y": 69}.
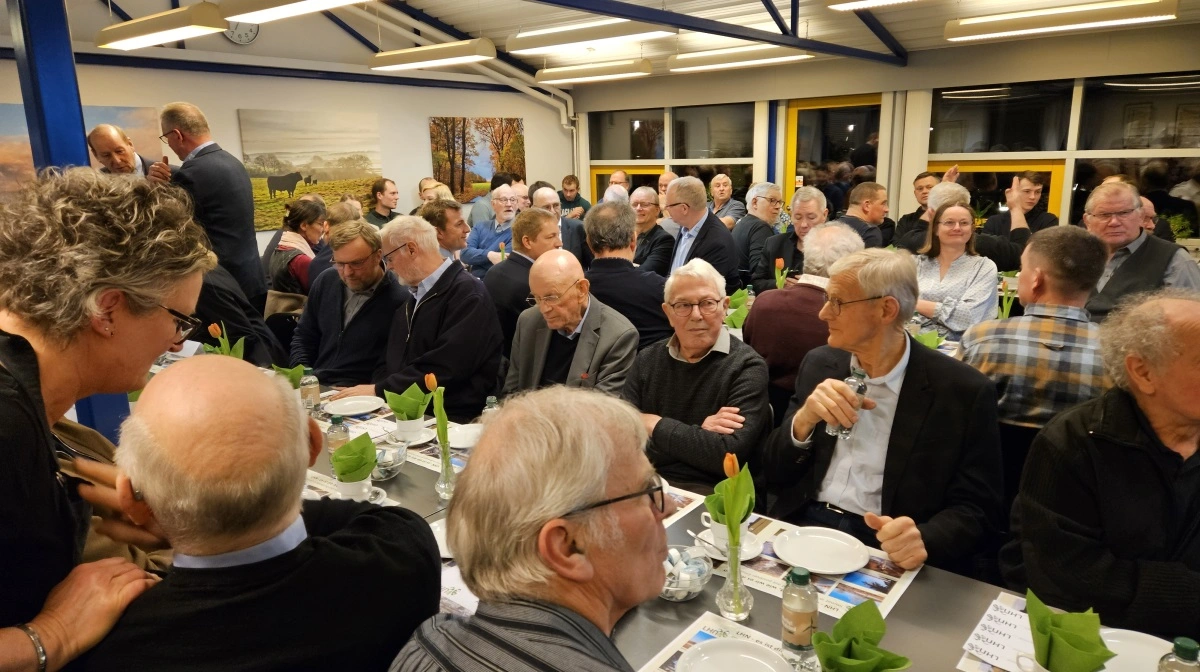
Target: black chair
{"x": 282, "y": 325}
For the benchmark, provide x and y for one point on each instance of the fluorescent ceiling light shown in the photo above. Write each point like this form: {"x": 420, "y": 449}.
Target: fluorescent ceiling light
{"x": 1055, "y": 19}
{"x": 595, "y": 72}
{"x": 1153, "y": 84}
{"x": 594, "y": 35}
{"x": 994, "y": 89}
{"x": 853, "y": 5}
{"x": 262, "y": 11}
{"x": 170, "y": 26}
{"x": 435, "y": 55}
{"x": 734, "y": 57}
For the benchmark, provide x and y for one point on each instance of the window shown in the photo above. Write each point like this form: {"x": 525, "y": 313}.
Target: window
{"x": 1001, "y": 118}
{"x": 1141, "y": 112}
{"x": 626, "y": 134}
{"x": 741, "y": 175}
{"x": 1167, "y": 183}
{"x": 714, "y": 131}
{"x": 832, "y": 134}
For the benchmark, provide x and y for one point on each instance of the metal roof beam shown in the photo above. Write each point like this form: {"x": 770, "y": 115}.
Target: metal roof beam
{"x": 882, "y": 33}
{"x": 458, "y": 34}
{"x": 775, "y": 16}
{"x": 351, "y": 31}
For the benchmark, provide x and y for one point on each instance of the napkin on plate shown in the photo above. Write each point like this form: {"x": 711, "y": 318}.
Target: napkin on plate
{"x": 355, "y": 460}
{"x": 1065, "y": 642}
{"x": 853, "y": 645}
{"x": 410, "y": 405}
{"x": 293, "y": 374}
{"x": 929, "y": 339}
{"x": 735, "y": 319}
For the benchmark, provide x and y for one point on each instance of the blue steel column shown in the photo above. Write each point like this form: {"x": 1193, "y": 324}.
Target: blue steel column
{"x": 50, "y": 92}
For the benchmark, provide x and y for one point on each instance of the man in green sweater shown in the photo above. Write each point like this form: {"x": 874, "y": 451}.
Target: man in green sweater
{"x": 709, "y": 391}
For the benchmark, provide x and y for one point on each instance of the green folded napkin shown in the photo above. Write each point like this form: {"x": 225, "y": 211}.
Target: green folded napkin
{"x": 293, "y": 374}
{"x": 1065, "y": 642}
{"x": 354, "y": 461}
{"x": 410, "y": 405}
{"x": 735, "y": 319}
{"x": 1009, "y": 274}
{"x": 929, "y": 339}
{"x": 853, "y": 645}
{"x": 738, "y": 298}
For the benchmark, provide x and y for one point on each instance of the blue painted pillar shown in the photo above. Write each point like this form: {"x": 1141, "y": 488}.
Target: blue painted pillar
{"x": 50, "y": 93}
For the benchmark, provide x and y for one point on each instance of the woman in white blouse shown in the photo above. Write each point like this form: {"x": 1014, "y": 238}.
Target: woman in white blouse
{"x": 958, "y": 287}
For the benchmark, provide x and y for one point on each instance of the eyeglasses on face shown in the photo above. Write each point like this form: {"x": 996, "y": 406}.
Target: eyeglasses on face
{"x": 673, "y": 205}
{"x": 775, "y": 202}
{"x": 656, "y": 492}
{"x": 506, "y": 201}
{"x": 963, "y": 224}
{"x": 706, "y": 306}
{"x": 1106, "y": 216}
{"x": 835, "y": 305}
{"x": 166, "y": 135}
{"x": 356, "y": 265}
{"x": 184, "y": 324}
{"x": 552, "y": 299}
{"x": 388, "y": 255}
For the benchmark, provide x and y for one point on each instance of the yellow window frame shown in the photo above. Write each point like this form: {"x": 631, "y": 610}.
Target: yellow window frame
{"x": 793, "y": 121}
{"x": 1056, "y": 168}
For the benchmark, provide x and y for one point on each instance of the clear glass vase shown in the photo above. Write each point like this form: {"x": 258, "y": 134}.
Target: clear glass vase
{"x": 445, "y": 483}
{"x": 734, "y": 599}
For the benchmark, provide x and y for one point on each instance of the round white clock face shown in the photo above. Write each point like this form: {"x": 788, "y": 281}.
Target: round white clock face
{"x": 242, "y": 33}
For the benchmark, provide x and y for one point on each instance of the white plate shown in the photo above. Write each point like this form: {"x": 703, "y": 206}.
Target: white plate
{"x": 424, "y": 436}
{"x": 722, "y": 655}
{"x": 821, "y": 550}
{"x": 439, "y": 533}
{"x": 1136, "y": 651}
{"x": 354, "y": 405}
{"x": 463, "y": 437}
{"x": 752, "y": 546}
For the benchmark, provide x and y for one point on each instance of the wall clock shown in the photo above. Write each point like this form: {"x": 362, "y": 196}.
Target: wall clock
{"x": 242, "y": 33}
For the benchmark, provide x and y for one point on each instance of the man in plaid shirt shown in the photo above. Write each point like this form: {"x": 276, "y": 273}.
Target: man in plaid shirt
{"x": 1049, "y": 359}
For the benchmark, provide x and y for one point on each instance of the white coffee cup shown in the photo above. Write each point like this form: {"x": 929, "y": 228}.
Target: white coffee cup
{"x": 720, "y": 533}
{"x": 1027, "y": 663}
{"x": 408, "y": 430}
{"x": 359, "y": 491}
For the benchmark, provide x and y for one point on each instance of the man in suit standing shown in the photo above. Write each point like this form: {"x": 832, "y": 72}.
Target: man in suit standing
{"x": 222, "y": 197}
{"x": 535, "y": 232}
{"x": 701, "y": 233}
{"x": 573, "y": 238}
{"x": 920, "y": 473}
{"x": 569, "y": 337}
{"x": 114, "y": 150}
{"x": 631, "y": 290}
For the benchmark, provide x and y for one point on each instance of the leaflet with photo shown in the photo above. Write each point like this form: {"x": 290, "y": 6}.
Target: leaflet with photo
{"x": 1002, "y": 633}
{"x": 457, "y": 599}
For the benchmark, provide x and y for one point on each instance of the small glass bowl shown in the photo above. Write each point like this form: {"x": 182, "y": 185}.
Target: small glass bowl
{"x": 389, "y": 460}
{"x": 689, "y": 582}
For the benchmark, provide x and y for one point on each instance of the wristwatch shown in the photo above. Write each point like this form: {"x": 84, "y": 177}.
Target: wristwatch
{"x": 37, "y": 645}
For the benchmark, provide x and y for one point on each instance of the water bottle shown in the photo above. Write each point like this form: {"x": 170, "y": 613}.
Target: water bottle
{"x": 1183, "y": 658}
{"x": 310, "y": 390}
{"x": 337, "y": 435}
{"x": 857, "y": 382}
{"x": 800, "y": 621}
{"x": 749, "y": 296}
{"x": 490, "y": 406}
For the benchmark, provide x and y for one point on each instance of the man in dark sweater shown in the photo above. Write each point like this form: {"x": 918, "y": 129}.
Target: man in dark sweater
{"x": 259, "y": 583}
{"x": 702, "y": 393}
{"x": 222, "y": 302}
{"x": 655, "y": 246}
{"x": 922, "y": 185}
{"x": 535, "y": 232}
{"x": 1108, "y": 513}
{"x": 343, "y": 331}
{"x": 867, "y": 210}
{"x": 764, "y": 202}
{"x": 630, "y": 290}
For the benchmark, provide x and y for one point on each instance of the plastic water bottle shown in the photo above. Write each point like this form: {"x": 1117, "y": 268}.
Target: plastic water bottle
{"x": 749, "y": 296}
{"x": 310, "y": 390}
{"x": 1183, "y": 658}
{"x": 337, "y": 435}
{"x": 857, "y": 382}
{"x": 800, "y": 621}
{"x": 490, "y": 406}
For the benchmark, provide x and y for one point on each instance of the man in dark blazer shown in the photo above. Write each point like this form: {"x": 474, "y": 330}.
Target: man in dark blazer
{"x": 808, "y": 210}
{"x": 113, "y": 149}
{"x": 701, "y": 233}
{"x": 655, "y": 246}
{"x": 535, "y": 232}
{"x": 920, "y": 474}
{"x": 222, "y": 302}
{"x": 222, "y": 198}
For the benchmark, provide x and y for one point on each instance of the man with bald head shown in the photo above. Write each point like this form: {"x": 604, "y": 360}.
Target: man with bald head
{"x": 114, "y": 150}
{"x": 483, "y": 243}
{"x": 246, "y": 543}
{"x": 570, "y": 230}
{"x": 568, "y": 337}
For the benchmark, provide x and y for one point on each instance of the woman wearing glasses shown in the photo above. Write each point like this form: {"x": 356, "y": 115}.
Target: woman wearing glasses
{"x": 958, "y": 287}
{"x": 98, "y": 277}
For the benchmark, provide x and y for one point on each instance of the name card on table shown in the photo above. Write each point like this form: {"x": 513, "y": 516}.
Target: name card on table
{"x": 1002, "y": 633}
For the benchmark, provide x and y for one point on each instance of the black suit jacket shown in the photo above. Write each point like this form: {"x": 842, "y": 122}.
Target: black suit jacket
{"x": 655, "y": 251}
{"x": 222, "y": 301}
{"x": 750, "y": 235}
{"x": 223, "y": 203}
{"x": 943, "y": 464}
{"x": 508, "y": 284}
{"x": 870, "y": 233}
{"x": 715, "y": 245}
{"x": 779, "y": 246}
{"x": 574, "y": 240}
{"x": 633, "y": 292}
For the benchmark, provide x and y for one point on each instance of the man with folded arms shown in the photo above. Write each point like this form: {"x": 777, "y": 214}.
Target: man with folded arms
{"x": 702, "y": 393}
{"x": 920, "y": 473}
{"x": 631, "y": 290}
{"x": 534, "y": 233}
{"x": 260, "y": 581}
{"x": 569, "y": 338}
{"x": 557, "y": 527}
{"x": 724, "y": 206}
{"x": 1108, "y": 513}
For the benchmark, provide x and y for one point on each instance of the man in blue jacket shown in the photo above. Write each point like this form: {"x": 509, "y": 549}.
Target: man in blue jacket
{"x": 483, "y": 244}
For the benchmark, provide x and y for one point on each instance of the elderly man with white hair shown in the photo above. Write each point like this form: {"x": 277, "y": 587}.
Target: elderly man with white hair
{"x": 701, "y": 233}
{"x": 246, "y": 544}
{"x": 750, "y": 233}
{"x": 911, "y": 464}
{"x": 484, "y": 241}
{"x": 654, "y": 245}
{"x": 808, "y": 209}
{"x": 702, "y": 393}
{"x": 1107, "y": 513}
{"x": 448, "y": 326}
{"x": 723, "y": 205}
{"x": 556, "y": 559}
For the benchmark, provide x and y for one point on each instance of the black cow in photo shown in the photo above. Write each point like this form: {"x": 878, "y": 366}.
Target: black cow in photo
{"x": 283, "y": 183}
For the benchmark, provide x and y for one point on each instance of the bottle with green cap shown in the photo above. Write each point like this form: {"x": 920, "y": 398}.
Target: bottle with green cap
{"x": 1183, "y": 658}
{"x": 800, "y": 621}
{"x": 337, "y": 435}
{"x": 310, "y": 390}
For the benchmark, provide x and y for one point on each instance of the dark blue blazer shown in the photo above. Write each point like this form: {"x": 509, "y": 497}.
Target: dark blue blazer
{"x": 633, "y": 292}
{"x": 574, "y": 240}
{"x": 715, "y": 245}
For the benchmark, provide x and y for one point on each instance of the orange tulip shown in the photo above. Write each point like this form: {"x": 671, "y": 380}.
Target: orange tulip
{"x": 1004, "y": 286}
{"x": 731, "y": 465}
{"x": 779, "y": 263}
{"x": 501, "y": 247}
{"x": 430, "y": 382}
{"x": 214, "y": 330}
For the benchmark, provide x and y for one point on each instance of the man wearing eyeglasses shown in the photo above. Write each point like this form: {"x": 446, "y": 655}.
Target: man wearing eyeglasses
{"x": 655, "y": 246}
{"x": 701, "y": 233}
{"x": 483, "y": 244}
{"x": 571, "y": 230}
{"x": 343, "y": 331}
{"x": 1137, "y": 262}
{"x": 556, "y": 560}
{"x": 751, "y": 232}
{"x": 566, "y": 336}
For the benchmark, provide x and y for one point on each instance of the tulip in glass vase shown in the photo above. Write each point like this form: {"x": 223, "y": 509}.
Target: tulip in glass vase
{"x": 445, "y": 483}
{"x": 731, "y": 503}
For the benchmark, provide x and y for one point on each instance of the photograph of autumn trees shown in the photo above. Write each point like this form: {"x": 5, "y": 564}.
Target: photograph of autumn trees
{"x": 468, "y": 151}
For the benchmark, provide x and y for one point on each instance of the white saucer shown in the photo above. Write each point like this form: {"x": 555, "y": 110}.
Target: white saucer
{"x": 1136, "y": 651}
{"x": 439, "y": 533}
{"x": 354, "y": 405}
{"x": 464, "y": 437}
{"x": 821, "y": 550}
{"x": 424, "y": 436}
{"x": 377, "y": 495}
{"x": 752, "y": 546}
{"x": 722, "y": 655}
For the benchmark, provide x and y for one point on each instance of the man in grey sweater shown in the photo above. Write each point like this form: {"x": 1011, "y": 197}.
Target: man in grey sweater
{"x": 702, "y": 393}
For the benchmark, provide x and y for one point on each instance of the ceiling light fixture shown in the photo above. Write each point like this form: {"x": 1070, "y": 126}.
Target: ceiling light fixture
{"x": 854, "y": 5}
{"x": 1152, "y": 85}
{"x": 262, "y": 11}
{"x": 734, "y": 57}
{"x": 595, "y": 72}
{"x": 172, "y": 25}
{"x": 594, "y": 35}
{"x": 1092, "y": 15}
{"x": 435, "y": 55}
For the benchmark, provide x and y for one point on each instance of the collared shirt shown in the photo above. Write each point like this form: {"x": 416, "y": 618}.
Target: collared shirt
{"x": 291, "y": 537}
{"x": 854, "y": 481}
{"x": 427, "y": 284}
{"x": 573, "y": 334}
{"x": 686, "y": 238}
{"x": 137, "y": 166}
{"x": 721, "y": 346}
{"x": 195, "y": 151}
{"x": 1043, "y": 362}
{"x": 352, "y": 301}
{"x": 1182, "y": 270}
{"x": 731, "y": 208}
{"x": 965, "y": 297}
{"x": 502, "y": 226}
